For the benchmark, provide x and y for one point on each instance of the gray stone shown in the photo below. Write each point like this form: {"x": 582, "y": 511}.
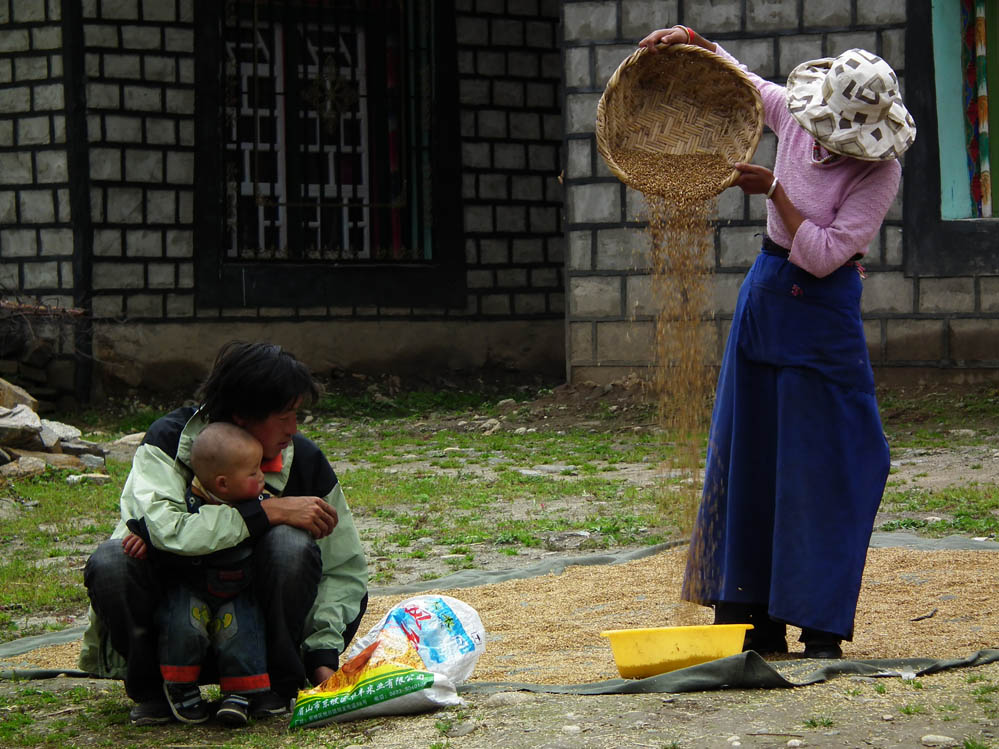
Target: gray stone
{"x": 179, "y": 40}
{"x": 886, "y": 291}
{"x": 15, "y": 168}
{"x": 88, "y": 478}
{"x": 23, "y": 467}
{"x": 92, "y": 461}
{"x": 41, "y": 277}
{"x": 931, "y": 739}
{"x": 947, "y": 294}
{"x": 826, "y": 12}
{"x": 49, "y": 96}
{"x": 118, "y": 276}
{"x": 33, "y": 131}
{"x": 62, "y": 431}
{"x": 594, "y": 203}
{"x": 124, "y": 205}
{"x": 105, "y": 164}
{"x": 18, "y": 243}
{"x": 712, "y": 16}
{"x": 143, "y": 99}
{"x": 881, "y": 13}
{"x": 37, "y": 207}
{"x": 180, "y": 168}
{"x": 143, "y": 165}
{"x": 839, "y": 43}
{"x": 12, "y": 395}
{"x": 14, "y": 40}
{"x": 590, "y": 21}
{"x": 157, "y": 10}
{"x": 122, "y": 66}
{"x": 121, "y": 129}
{"x": 595, "y": 296}
{"x": 52, "y": 166}
{"x": 143, "y": 243}
{"x": 622, "y": 249}
{"x": 101, "y": 35}
{"x": 797, "y": 49}
{"x": 103, "y": 95}
{"x": 771, "y": 15}
{"x": 639, "y": 17}
{"x": 31, "y": 68}
{"x": 18, "y": 425}
{"x": 180, "y": 101}
{"x": 136, "y": 37}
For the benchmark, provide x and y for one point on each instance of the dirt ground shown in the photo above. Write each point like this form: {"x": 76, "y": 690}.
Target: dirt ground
{"x": 545, "y": 630}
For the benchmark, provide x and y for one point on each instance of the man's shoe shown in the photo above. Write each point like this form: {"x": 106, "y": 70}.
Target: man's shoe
{"x": 150, "y": 713}
{"x": 234, "y": 710}
{"x": 824, "y": 649}
{"x": 185, "y": 702}
{"x": 268, "y": 704}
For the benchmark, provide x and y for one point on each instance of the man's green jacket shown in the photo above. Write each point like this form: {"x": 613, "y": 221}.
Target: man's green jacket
{"x": 154, "y": 491}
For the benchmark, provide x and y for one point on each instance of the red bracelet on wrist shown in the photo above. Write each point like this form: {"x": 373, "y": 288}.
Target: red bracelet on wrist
{"x": 690, "y": 34}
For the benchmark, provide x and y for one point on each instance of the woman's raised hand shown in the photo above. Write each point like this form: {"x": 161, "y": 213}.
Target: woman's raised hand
{"x": 666, "y": 37}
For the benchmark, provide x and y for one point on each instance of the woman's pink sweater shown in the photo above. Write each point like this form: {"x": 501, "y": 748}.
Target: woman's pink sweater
{"x": 843, "y": 203}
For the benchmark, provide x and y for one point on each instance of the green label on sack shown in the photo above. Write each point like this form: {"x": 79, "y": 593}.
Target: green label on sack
{"x": 380, "y": 686}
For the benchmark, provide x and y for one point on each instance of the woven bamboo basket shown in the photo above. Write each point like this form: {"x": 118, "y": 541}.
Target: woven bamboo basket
{"x": 678, "y": 101}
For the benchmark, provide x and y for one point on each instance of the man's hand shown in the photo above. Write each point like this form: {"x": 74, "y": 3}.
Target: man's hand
{"x": 321, "y": 674}
{"x": 311, "y": 514}
{"x": 134, "y": 546}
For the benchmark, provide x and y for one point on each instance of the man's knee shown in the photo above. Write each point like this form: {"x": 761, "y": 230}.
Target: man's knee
{"x": 287, "y": 552}
{"x": 108, "y": 561}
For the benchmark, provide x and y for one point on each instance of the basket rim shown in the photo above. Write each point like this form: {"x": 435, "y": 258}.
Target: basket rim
{"x": 614, "y": 81}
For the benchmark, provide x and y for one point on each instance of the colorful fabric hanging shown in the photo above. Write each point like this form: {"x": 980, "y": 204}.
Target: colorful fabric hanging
{"x": 970, "y": 100}
{"x": 982, "y": 90}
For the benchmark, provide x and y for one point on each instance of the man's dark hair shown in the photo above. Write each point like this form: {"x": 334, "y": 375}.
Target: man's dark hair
{"x": 253, "y": 381}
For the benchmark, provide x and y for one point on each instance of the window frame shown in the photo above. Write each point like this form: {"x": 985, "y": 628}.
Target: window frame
{"x": 934, "y": 246}
{"x": 224, "y": 282}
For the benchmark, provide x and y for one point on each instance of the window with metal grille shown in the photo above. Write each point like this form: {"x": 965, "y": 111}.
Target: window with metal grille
{"x": 323, "y": 112}
{"x": 330, "y": 119}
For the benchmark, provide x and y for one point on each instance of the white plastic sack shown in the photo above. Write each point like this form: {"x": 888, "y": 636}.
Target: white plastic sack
{"x": 446, "y": 632}
{"x": 409, "y": 662}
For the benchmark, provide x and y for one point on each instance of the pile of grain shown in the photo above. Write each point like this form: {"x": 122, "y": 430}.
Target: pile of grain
{"x": 546, "y": 630}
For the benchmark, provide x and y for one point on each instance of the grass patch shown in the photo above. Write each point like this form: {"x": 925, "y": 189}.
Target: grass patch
{"x": 939, "y": 416}
{"x": 971, "y": 510}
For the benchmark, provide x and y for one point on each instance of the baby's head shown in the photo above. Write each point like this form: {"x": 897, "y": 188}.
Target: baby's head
{"x": 226, "y": 460}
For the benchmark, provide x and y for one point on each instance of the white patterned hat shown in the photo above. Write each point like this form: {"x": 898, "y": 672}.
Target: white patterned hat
{"x": 851, "y": 105}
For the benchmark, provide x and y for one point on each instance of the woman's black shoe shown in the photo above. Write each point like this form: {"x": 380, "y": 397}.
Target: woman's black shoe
{"x": 820, "y": 644}
{"x": 829, "y": 650}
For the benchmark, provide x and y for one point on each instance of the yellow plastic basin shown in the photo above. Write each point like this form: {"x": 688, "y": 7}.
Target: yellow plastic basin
{"x": 639, "y": 653}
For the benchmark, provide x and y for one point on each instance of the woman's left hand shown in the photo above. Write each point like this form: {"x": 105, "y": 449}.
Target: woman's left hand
{"x": 753, "y": 179}
{"x": 665, "y": 37}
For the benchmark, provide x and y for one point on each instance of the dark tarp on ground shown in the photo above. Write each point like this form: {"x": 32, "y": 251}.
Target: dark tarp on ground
{"x": 743, "y": 671}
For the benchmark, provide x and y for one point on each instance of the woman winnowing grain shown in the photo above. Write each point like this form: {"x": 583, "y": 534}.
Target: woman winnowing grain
{"x": 797, "y": 459}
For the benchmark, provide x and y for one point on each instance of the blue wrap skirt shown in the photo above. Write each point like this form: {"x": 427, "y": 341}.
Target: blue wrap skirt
{"x": 797, "y": 459}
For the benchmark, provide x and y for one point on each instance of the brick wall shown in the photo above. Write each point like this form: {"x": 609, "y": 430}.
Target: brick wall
{"x": 36, "y": 237}
{"x": 140, "y": 128}
{"x": 929, "y": 324}
{"x": 510, "y": 74}
{"x": 134, "y": 251}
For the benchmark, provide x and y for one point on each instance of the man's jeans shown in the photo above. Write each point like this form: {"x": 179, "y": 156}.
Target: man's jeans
{"x": 127, "y": 592}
